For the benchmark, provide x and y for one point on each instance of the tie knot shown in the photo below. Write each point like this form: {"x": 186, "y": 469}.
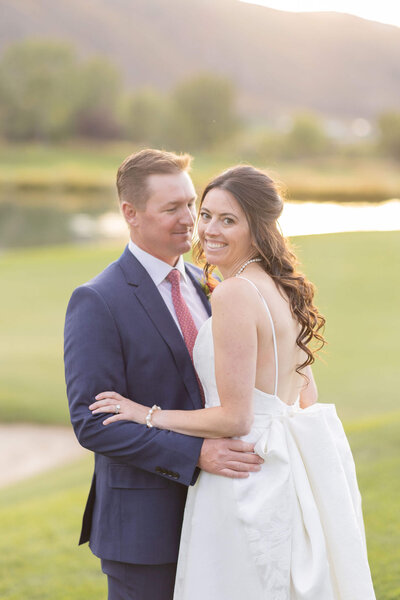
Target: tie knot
{"x": 174, "y": 277}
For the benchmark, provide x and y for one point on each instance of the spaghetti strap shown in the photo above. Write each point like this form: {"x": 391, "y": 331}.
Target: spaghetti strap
{"x": 273, "y": 330}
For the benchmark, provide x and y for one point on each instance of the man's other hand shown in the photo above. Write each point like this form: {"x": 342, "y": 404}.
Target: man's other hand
{"x": 229, "y": 457}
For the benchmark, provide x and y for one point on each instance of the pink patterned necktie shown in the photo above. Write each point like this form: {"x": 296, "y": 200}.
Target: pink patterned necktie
{"x": 185, "y": 319}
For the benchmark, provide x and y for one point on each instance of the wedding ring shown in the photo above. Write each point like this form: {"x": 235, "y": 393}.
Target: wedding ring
{"x": 117, "y": 409}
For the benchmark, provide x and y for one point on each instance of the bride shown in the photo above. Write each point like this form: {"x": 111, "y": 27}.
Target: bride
{"x": 294, "y": 530}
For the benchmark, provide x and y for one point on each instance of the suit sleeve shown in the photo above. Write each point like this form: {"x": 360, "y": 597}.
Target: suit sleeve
{"x": 94, "y": 362}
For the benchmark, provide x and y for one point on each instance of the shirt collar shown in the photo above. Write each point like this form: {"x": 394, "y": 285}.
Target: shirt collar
{"x": 156, "y": 268}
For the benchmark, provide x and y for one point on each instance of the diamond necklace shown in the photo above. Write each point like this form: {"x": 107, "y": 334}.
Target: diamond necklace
{"x": 242, "y": 268}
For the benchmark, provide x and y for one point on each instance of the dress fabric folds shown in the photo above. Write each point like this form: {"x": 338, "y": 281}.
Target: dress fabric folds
{"x": 292, "y": 531}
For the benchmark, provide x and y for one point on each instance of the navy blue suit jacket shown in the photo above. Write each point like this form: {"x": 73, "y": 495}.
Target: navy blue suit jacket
{"x": 120, "y": 335}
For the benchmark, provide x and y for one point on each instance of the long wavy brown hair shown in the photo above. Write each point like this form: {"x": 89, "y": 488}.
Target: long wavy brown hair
{"x": 258, "y": 196}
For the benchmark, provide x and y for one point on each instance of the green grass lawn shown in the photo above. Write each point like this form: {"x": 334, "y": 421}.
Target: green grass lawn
{"x": 358, "y": 290}
{"x": 40, "y": 522}
{"x": 376, "y": 449}
{"x": 358, "y": 285}
{"x": 36, "y": 286}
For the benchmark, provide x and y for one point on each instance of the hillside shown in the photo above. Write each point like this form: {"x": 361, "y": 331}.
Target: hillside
{"x": 337, "y": 64}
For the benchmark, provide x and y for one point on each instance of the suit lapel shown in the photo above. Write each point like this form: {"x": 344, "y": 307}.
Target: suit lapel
{"x": 199, "y": 289}
{"x": 154, "y": 305}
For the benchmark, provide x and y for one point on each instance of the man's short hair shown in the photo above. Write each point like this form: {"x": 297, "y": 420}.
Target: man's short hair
{"x": 133, "y": 174}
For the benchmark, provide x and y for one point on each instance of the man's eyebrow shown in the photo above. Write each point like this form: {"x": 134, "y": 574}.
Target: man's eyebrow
{"x": 175, "y": 202}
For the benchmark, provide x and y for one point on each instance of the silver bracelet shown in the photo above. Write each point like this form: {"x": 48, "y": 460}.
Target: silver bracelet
{"x": 150, "y": 414}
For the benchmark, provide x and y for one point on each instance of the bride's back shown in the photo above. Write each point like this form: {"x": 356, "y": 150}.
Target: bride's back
{"x": 287, "y": 328}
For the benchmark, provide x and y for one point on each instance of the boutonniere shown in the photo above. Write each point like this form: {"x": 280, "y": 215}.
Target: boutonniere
{"x": 209, "y": 285}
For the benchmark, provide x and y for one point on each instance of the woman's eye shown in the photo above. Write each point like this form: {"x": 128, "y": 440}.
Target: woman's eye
{"x": 204, "y": 216}
{"x": 228, "y": 221}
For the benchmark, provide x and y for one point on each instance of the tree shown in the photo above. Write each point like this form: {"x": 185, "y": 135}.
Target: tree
{"x": 98, "y": 91}
{"x": 203, "y": 112}
{"x": 306, "y": 137}
{"x": 146, "y": 115}
{"x": 46, "y": 93}
{"x": 389, "y": 125}
{"x": 37, "y": 82}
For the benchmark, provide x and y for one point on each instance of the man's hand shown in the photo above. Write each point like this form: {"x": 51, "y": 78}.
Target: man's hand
{"x": 228, "y": 457}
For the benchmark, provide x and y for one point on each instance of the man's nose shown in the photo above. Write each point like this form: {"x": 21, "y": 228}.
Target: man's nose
{"x": 187, "y": 216}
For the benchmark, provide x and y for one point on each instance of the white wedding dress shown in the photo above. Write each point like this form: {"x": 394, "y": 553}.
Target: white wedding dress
{"x": 294, "y": 530}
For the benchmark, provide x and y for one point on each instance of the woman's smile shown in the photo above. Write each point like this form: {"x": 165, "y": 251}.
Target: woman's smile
{"x": 213, "y": 245}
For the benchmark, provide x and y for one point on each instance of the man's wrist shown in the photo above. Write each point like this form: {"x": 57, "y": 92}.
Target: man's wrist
{"x": 199, "y": 458}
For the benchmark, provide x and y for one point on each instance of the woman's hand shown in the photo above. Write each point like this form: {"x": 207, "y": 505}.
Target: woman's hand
{"x": 122, "y": 409}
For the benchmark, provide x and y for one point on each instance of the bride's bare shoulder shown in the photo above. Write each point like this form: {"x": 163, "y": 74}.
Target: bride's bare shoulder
{"x": 232, "y": 285}
{"x": 233, "y": 293}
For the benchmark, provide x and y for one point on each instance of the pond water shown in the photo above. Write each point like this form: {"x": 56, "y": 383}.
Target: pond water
{"x": 309, "y": 218}
{"x": 33, "y": 221}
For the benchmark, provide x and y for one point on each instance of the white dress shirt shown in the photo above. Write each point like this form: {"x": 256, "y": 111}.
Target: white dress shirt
{"x": 158, "y": 271}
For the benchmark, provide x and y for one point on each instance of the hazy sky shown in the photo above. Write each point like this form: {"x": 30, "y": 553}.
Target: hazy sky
{"x": 385, "y": 11}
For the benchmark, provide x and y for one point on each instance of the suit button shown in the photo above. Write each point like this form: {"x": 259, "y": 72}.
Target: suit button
{"x": 175, "y": 475}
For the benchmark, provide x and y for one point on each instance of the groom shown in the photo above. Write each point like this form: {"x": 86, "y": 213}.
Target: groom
{"x": 124, "y": 332}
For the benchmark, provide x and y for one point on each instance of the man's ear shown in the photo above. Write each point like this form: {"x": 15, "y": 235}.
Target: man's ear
{"x": 130, "y": 213}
